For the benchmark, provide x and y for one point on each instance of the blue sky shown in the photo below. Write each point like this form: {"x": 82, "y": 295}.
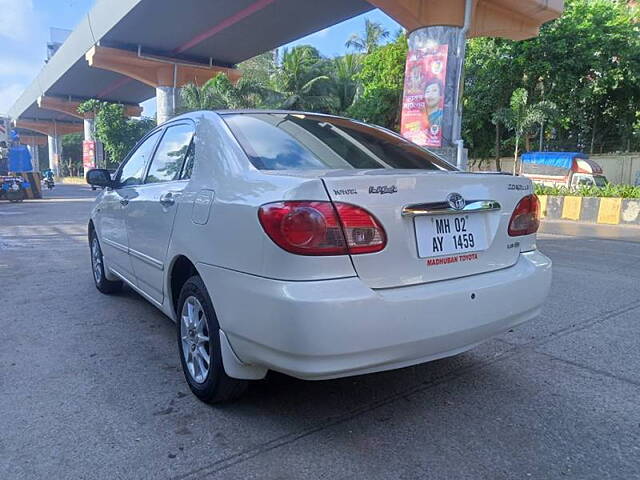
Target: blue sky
{"x": 24, "y": 33}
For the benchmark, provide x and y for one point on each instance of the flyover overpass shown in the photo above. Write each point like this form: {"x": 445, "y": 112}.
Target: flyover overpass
{"x": 128, "y": 51}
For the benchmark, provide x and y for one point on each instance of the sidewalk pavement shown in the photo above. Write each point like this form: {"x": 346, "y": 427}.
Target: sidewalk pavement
{"x": 627, "y": 233}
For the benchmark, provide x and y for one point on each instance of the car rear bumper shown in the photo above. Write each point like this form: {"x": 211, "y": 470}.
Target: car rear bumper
{"x": 335, "y": 328}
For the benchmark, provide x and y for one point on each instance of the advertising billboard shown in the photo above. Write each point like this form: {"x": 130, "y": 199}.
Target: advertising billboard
{"x": 88, "y": 154}
{"x": 424, "y": 95}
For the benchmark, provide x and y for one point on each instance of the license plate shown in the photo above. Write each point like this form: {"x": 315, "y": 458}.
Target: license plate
{"x": 439, "y": 235}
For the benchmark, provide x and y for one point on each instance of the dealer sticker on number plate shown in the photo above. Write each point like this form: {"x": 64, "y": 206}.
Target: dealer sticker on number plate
{"x": 448, "y": 234}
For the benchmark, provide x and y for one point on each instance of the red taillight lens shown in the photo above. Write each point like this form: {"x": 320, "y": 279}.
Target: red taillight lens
{"x": 317, "y": 228}
{"x": 525, "y": 219}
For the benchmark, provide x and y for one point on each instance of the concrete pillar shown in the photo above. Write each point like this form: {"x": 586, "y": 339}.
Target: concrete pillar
{"x": 90, "y": 146}
{"x": 89, "y": 129}
{"x": 34, "y": 150}
{"x": 55, "y": 153}
{"x": 168, "y": 102}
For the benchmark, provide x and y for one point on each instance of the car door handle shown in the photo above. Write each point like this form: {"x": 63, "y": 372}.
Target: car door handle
{"x": 124, "y": 202}
{"x": 167, "y": 199}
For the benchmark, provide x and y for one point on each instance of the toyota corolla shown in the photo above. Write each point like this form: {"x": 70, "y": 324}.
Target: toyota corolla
{"x": 313, "y": 245}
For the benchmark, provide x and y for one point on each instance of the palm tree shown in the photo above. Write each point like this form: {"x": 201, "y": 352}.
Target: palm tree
{"x": 345, "y": 83}
{"x": 200, "y": 98}
{"x": 374, "y": 33}
{"x": 219, "y": 93}
{"x": 521, "y": 116}
{"x": 298, "y": 80}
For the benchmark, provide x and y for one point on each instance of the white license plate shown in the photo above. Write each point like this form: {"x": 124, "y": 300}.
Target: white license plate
{"x": 439, "y": 235}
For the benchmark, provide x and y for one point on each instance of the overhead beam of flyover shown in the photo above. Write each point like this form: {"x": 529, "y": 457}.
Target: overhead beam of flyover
{"x": 209, "y": 33}
{"x": 215, "y": 35}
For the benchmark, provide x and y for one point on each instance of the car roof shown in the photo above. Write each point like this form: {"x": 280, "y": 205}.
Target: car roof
{"x": 271, "y": 111}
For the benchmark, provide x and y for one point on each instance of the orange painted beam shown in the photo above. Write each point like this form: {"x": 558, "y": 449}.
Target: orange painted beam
{"x": 70, "y": 107}
{"x": 47, "y": 127}
{"x": 512, "y": 19}
{"x": 33, "y": 140}
{"x": 154, "y": 71}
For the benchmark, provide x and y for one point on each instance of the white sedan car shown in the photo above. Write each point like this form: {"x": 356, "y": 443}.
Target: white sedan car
{"x": 313, "y": 245}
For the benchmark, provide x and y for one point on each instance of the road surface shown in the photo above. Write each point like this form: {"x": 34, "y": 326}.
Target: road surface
{"x": 91, "y": 387}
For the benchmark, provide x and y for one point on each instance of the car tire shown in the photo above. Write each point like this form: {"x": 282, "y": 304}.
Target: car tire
{"x": 196, "y": 321}
{"x": 97, "y": 267}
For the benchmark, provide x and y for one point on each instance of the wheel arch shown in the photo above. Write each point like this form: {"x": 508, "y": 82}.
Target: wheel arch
{"x": 180, "y": 270}
{"x": 91, "y": 228}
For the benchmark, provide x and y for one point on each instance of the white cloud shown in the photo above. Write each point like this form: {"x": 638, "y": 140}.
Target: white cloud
{"x": 9, "y": 94}
{"x": 16, "y": 19}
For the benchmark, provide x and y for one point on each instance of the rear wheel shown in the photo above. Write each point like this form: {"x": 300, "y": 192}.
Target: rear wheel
{"x": 199, "y": 346}
{"x": 97, "y": 266}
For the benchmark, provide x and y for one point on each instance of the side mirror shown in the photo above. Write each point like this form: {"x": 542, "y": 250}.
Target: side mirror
{"x": 99, "y": 177}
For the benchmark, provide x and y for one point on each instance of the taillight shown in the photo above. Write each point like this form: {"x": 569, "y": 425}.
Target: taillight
{"x": 319, "y": 228}
{"x": 525, "y": 219}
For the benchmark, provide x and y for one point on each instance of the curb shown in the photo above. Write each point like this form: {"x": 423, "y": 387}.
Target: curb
{"x": 602, "y": 210}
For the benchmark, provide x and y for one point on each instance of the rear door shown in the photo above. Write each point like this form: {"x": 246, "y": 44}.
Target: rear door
{"x": 151, "y": 211}
{"x": 439, "y": 225}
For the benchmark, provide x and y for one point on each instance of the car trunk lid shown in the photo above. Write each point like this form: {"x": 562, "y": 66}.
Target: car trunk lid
{"x": 428, "y": 239}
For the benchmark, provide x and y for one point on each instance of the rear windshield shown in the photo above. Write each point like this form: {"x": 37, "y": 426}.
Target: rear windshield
{"x": 289, "y": 141}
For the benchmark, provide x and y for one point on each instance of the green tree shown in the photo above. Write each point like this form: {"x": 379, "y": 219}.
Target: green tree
{"x": 586, "y": 62}
{"x": 220, "y": 93}
{"x": 382, "y": 79}
{"x": 491, "y": 76}
{"x": 299, "y": 79}
{"x": 260, "y": 68}
{"x": 118, "y": 133}
{"x": 522, "y": 116}
{"x": 373, "y": 35}
{"x": 345, "y": 81}
{"x": 72, "y": 154}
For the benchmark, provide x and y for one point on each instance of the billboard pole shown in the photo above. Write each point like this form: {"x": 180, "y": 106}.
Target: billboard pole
{"x": 432, "y": 104}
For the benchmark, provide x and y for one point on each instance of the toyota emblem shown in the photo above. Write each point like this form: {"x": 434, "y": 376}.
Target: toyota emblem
{"x": 456, "y": 201}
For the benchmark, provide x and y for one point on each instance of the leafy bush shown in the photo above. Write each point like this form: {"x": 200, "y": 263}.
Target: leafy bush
{"x": 610, "y": 190}
{"x": 118, "y": 133}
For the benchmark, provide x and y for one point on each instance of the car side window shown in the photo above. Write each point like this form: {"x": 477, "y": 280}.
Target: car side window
{"x": 132, "y": 172}
{"x": 171, "y": 153}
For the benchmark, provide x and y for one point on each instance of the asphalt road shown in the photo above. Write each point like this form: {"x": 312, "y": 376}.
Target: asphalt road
{"x": 91, "y": 388}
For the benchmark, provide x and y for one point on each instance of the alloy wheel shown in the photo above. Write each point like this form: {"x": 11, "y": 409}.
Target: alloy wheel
{"x": 96, "y": 260}
{"x": 194, "y": 334}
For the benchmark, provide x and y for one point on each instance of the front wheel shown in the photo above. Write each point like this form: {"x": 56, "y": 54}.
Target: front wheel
{"x": 199, "y": 346}
{"x": 97, "y": 265}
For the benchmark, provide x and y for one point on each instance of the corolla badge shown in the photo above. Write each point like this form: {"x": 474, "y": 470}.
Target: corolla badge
{"x": 383, "y": 189}
{"x": 456, "y": 201}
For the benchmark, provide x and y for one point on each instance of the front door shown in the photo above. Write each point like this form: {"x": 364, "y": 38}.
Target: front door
{"x": 113, "y": 230}
{"x": 151, "y": 211}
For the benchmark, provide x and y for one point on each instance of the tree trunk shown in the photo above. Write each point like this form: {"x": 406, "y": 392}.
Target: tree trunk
{"x": 515, "y": 155}
{"x": 593, "y": 134}
{"x": 498, "y": 165}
